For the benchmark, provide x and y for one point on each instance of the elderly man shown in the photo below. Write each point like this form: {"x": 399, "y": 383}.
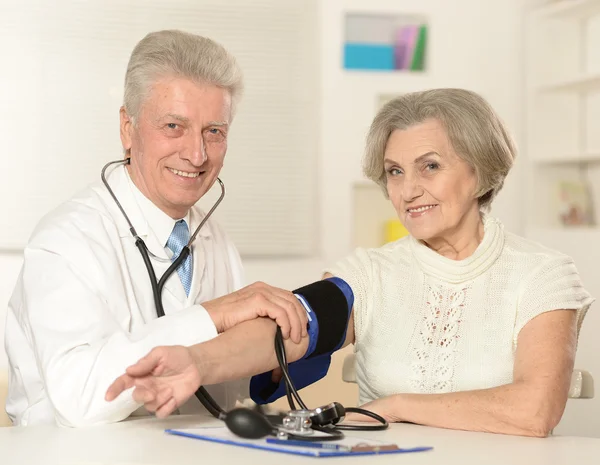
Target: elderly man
{"x": 83, "y": 308}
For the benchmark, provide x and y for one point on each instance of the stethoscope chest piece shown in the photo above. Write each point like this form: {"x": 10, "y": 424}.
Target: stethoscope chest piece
{"x": 297, "y": 422}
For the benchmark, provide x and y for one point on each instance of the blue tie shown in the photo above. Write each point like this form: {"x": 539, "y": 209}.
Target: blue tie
{"x": 177, "y": 241}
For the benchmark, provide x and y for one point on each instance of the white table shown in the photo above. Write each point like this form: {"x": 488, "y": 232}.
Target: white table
{"x": 143, "y": 442}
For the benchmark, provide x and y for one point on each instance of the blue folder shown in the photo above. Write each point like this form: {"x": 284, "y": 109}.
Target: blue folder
{"x": 223, "y": 436}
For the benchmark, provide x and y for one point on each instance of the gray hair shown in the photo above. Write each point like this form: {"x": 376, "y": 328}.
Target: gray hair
{"x": 474, "y": 129}
{"x": 177, "y": 53}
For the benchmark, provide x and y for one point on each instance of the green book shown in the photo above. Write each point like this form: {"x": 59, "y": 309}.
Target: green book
{"x": 418, "y": 61}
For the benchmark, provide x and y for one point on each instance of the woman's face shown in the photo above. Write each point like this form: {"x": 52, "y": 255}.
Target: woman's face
{"x": 431, "y": 187}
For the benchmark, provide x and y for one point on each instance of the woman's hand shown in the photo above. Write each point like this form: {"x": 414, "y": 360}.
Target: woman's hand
{"x": 163, "y": 380}
{"x": 384, "y": 407}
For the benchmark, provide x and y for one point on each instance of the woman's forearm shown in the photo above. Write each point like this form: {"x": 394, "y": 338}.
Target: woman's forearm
{"x": 242, "y": 351}
{"x": 510, "y": 409}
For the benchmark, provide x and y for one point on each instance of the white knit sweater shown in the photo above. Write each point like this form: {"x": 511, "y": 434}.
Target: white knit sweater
{"x": 427, "y": 324}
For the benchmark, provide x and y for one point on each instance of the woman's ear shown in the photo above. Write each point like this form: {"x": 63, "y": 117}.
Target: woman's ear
{"x": 126, "y": 128}
{"x": 486, "y": 198}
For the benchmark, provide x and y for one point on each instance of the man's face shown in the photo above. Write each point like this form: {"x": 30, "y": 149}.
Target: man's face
{"x": 178, "y": 142}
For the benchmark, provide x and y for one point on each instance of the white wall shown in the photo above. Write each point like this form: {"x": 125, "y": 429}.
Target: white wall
{"x": 474, "y": 44}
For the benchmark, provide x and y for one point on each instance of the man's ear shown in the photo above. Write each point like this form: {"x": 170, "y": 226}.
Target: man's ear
{"x": 126, "y": 130}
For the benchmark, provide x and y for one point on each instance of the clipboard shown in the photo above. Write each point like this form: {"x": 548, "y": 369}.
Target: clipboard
{"x": 222, "y": 435}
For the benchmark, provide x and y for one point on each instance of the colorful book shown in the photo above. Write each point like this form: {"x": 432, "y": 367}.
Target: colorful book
{"x": 418, "y": 62}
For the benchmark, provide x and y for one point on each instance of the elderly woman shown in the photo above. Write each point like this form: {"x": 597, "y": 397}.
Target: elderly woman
{"x": 461, "y": 324}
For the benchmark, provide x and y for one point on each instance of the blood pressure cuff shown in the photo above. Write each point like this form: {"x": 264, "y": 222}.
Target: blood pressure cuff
{"x": 328, "y": 305}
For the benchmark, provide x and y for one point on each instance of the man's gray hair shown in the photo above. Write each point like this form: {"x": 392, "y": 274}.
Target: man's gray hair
{"x": 178, "y": 54}
{"x": 474, "y": 129}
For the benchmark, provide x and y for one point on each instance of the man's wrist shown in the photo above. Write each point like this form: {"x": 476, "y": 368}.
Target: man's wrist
{"x": 214, "y": 315}
{"x": 202, "y": 362}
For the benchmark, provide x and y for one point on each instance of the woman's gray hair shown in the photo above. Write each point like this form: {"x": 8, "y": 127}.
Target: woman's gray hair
{"x": 474, "y": 129}
{"x": 179, "y": 54}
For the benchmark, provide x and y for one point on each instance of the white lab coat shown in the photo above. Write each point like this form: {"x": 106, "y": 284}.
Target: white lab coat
{"x": 82, "y": 309}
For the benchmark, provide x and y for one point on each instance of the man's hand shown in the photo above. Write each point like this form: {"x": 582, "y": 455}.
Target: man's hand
{"x": 260, "y": 300}
{"x": 163, "y": 380}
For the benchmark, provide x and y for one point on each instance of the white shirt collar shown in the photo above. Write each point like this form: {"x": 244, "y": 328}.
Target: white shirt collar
{"x": 158, "y": 221}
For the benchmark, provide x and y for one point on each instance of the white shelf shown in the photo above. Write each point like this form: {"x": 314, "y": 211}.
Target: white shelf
{"x": 585, "y": 83}
{"x": 583, "y": 158}
{"x": 569, "y": 9}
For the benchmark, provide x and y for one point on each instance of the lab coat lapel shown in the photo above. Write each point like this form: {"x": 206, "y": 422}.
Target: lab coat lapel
{"x": 198, "y": 265}
{"x": 202, "y": 250}
{"x": 174, "y": 289}
{"x": 120, "y": 184}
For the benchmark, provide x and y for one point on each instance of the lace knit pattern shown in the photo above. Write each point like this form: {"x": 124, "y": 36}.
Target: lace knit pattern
{"x": 434, "y": 349}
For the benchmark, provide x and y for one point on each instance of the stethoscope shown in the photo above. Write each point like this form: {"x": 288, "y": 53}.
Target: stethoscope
{"x": 298, "y": 424}
{"x": 157, "y": 285}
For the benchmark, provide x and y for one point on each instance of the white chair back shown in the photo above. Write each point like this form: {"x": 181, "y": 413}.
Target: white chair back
{"x": 4, "y": 420}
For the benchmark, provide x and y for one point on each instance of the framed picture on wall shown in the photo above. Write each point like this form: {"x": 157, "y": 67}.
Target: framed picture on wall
{"x": 385, "y": 42}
